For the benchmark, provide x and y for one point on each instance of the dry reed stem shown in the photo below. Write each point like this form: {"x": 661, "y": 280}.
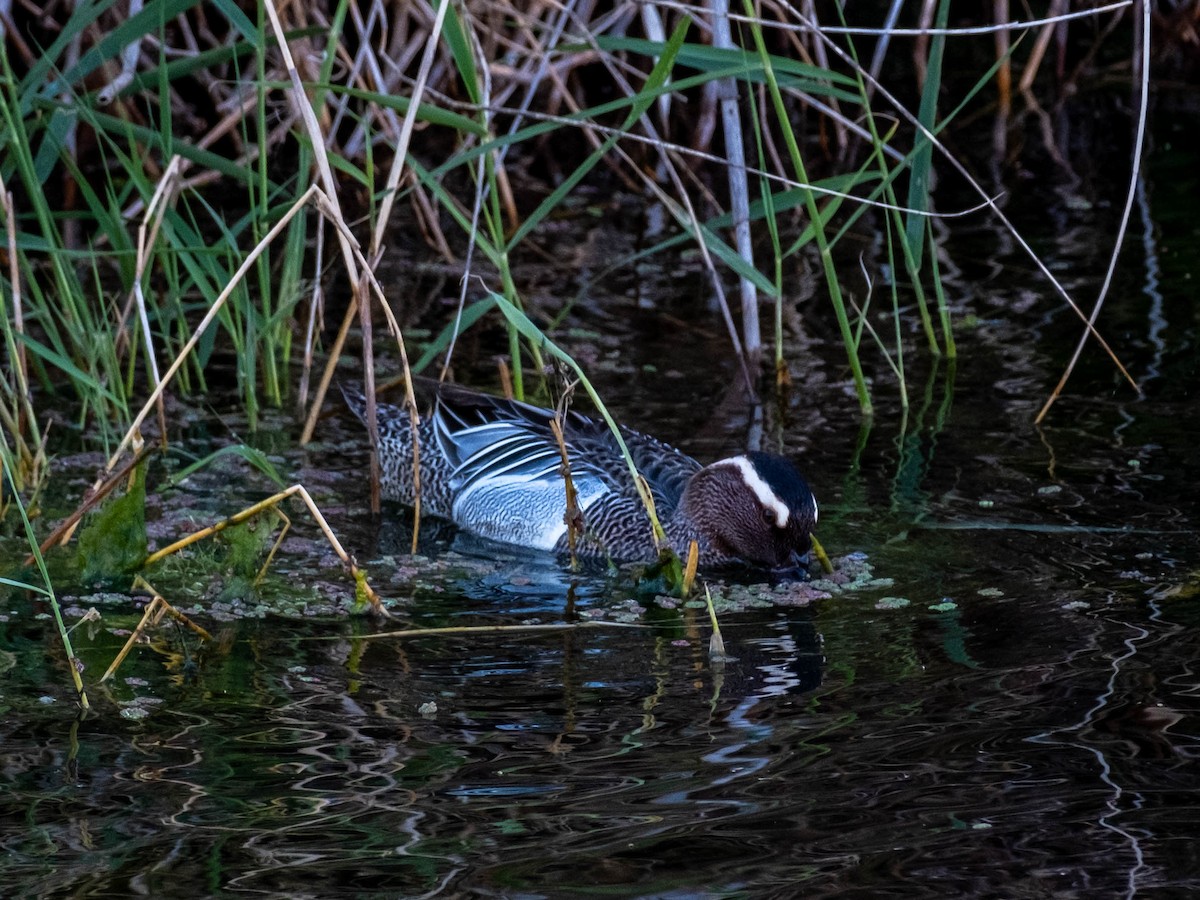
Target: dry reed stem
{"x": 821, "y": 58}
{"x": 1045, "y": 34}
{"x": 317, "y": 140}
{"x": 335, "y": 352}
{"x": 14, "y": 278}
{"x": 316, "y": 313}
{"x": 691, "y": 218}
{"x": 431, "y": 228}
{"x": 1001, "y": 42}
{"x": 739, "y": 191}
{"x": 479, "y": 195}
{"x": 287, "y": 526}
{"x": 270, "y": 503}
{"x": 97, "y": 492}
{"x": 701, "y": 156}
{"x": 24, "y": 405}
{"x": 406, "y": 130}
{"x": 368, "y": 275}
{"x": 806, "y": 26}
{"x": 165, "y": 194}
{"x": 129, "y": 59}
{"x": 484, "y": 629}
{"x": 360, "y": 276}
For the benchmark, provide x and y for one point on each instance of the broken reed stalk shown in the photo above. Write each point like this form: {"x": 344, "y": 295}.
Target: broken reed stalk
{"x": 363, "y": 587}
{"x": 151, "y": 616}
{"x": 573, "y": 516}
{"x": 689, "y": 572}
{"x": 822, "y": 556}
{"x": 716, "y": 643}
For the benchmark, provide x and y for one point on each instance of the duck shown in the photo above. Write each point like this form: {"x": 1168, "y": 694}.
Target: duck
{"x": 492, "y": 466}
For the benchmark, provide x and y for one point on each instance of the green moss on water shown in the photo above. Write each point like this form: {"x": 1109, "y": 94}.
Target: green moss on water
{"x": 246, "y": 545}
{"x": 112, "y": 542}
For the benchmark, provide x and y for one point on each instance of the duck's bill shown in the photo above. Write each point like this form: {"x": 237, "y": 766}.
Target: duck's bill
{"x": 796, "y": 566}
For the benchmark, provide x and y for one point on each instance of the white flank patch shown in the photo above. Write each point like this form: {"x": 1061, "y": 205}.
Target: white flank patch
{"x": 761, "y": 489}
{"x": 521, "y": 510}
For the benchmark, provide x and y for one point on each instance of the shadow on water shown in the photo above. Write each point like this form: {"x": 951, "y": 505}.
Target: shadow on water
{"x": 1010, "y": 709}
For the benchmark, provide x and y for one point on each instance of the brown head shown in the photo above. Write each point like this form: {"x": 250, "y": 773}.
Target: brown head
{"x": 756, "y": 507}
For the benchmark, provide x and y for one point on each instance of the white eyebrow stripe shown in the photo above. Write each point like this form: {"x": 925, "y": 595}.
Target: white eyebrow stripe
{"x": 767, "y": 497}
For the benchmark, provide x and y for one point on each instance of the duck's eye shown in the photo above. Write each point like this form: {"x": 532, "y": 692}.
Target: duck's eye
{"x": 768, "y": 516}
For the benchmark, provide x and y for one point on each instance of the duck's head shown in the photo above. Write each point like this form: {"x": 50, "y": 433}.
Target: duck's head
{"x": 756, "y": 507}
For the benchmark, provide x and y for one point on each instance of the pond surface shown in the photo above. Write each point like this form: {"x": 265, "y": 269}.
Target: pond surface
{"x": 1011, "y": 709}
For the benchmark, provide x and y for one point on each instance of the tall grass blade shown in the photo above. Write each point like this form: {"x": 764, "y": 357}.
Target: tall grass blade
{"x": 918, "y": 185}
{"x": 47, "y": 589}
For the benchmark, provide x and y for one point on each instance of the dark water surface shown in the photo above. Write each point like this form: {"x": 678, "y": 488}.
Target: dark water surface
{"x": 1017, "y": 714}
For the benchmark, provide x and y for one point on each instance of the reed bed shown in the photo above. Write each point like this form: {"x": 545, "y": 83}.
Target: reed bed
{"x": 183, "y": 182}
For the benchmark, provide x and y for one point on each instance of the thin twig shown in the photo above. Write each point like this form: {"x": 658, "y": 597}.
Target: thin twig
{"x": 573, "y": 516}
{"x": 1138, "y": 144}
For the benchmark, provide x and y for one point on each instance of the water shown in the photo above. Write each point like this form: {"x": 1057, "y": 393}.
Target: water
{"x": 1014, "y": 715}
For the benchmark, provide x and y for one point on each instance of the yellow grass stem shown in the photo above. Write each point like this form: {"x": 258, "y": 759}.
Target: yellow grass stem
{"x": 270, "y": 503}
{"x": 822, "y": 557}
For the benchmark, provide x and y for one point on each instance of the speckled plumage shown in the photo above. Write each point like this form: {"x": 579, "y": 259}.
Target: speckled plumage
{"x": 492, "y": 466}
